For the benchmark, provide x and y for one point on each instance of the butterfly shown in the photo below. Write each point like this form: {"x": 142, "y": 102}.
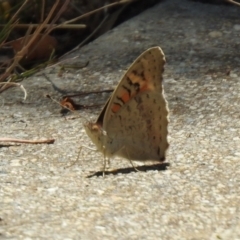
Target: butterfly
{"x": 133, "y": 123}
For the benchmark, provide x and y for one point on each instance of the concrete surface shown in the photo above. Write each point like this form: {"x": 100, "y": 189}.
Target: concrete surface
{"x": 196, "y": 197}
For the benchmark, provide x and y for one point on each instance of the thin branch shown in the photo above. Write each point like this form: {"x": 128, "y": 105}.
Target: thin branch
{"x": 60, "y": 11}
{"x": 55, "y": 26}
{"x": 19, "y": 10}
{"x": 233, "y": 2}
{"x": 48, "y": 141}
{"x": 87, "y": 38}
{"x": 97, "y": 10}
{"x": 42, "y": 10}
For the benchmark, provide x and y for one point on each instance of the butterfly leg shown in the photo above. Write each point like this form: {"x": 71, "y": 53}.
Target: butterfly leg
{"x": 105, "y": 160}
{"x": 73, "y": 163}
{"x": 106, "y": 164}
{"x": 133, "y": 165}
{"x": 129, "y": 159}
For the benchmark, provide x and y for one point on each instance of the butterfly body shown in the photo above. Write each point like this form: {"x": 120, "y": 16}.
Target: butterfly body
{"x": 133, "y": 123}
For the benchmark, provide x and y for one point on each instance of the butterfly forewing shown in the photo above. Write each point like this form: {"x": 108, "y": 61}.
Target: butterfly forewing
{"x": 145, "y": 74}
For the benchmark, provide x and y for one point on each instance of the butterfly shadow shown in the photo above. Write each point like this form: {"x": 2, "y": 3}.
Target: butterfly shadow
{"x": 145, "y": 168}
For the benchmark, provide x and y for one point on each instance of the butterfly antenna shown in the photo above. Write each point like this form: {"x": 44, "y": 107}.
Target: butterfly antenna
{"x": 129, "y": 159}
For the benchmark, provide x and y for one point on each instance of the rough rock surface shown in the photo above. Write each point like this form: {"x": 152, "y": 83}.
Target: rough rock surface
{"x": 196, "y": 197}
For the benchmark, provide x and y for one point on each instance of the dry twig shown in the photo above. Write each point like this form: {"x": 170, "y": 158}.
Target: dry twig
{"x": 48, "y": 141}
{"x": 55, "y": 26}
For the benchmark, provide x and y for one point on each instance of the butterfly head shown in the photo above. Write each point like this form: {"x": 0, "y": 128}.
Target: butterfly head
{"x": 96, "y": 133}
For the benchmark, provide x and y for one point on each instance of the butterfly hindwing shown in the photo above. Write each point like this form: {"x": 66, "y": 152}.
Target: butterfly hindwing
{"x": 139, "y": 130}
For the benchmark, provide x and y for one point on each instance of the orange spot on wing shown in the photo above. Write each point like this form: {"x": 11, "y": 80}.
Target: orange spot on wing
{"x": 144, "y": 88}
{"x": 125, "y": 97}
{"x": 115, "y": 108}
{"x": 144, "y": 83}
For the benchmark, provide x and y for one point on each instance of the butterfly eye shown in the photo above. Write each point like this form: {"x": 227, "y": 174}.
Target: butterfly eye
{"x": 95, "y": 127}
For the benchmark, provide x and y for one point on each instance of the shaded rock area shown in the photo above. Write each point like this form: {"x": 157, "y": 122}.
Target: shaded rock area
{"x": 196, "y": 197}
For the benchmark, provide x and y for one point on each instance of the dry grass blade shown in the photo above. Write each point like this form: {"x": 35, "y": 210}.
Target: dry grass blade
{"x": 233, "y": 2}
{"x": 92, "y": 33}
{"x": 97, "y": 10}
{"x": 25, "y": 49}
{"x": 55, "y": 26}
{"x": 13, "y": 84}
{"x": 7, "y": 28}
{"x": 19, "y": 10}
